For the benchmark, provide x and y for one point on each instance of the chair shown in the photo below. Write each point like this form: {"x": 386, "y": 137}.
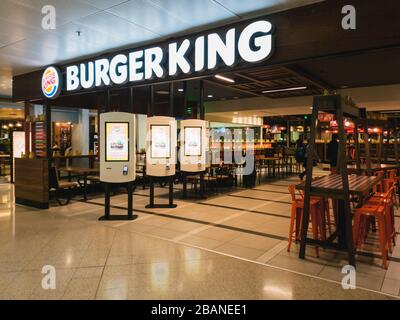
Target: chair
{"x": 58, "y": 186}
{"x": 379, "y": 186}
{"x": 224, "y": 176}
{"x": 297, "y": 214}
{"x": 392, "y": 175}
{"x": 376, "y": 208}
{"x": 388, "y": 199}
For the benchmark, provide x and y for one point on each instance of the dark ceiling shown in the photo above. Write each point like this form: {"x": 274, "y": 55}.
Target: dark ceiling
{"x": 350, "y": 71}
{"x": 361, "y": 70}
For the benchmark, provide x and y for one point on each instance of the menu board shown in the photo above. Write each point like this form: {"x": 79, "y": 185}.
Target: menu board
{"x": 39, "y": 140}
{"x": 160, "y": 141}
{"x": 117, "y": 141}
{"x": 192, "y": 141}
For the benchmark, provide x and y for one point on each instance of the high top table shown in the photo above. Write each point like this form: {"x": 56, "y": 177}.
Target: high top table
{"x": 374, "y": 167}
{"x": 331, "y": 186}
{"x": 83, "y": 172}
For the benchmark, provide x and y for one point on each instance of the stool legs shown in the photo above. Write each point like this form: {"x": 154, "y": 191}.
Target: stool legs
{"x": 382, "y": 239}
{"x": 292, "y": 222}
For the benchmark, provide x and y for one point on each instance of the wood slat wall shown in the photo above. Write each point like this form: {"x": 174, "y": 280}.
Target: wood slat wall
{"x": 31, "y": 182}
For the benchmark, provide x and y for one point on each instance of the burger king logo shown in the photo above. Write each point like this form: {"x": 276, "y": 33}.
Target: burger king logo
{"x": 51, "y": 83}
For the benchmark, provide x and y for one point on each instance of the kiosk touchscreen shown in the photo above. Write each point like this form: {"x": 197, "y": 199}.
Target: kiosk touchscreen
{"x": 161, "y": 146}
{"x": 117, "y": 147}
{"x": 193, "y": 145}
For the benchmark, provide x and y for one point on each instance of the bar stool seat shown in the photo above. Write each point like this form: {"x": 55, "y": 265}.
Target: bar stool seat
{"x": 376, "y": 208}
{"x": 297, "y": 215}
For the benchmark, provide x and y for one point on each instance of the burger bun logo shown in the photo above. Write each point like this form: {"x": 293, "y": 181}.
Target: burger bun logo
{"x": 51, "y": 83}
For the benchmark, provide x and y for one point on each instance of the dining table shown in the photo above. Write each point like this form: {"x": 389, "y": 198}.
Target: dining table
{"x": 81, "y": 171}
{"x": 331, "y": 186}
{"x": 374, "y": 168}
{"x": 268, "y": 162}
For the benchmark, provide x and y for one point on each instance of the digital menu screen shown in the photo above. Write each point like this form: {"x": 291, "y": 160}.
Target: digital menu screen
{"x": 192, "y": 141}
{"x": 160, "y": 141}
{"x": 117, "y": 141}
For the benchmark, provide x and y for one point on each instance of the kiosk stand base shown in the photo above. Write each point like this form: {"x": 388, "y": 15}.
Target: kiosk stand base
{"x": 170, "y": 191}
{"x": 107, "y": 216}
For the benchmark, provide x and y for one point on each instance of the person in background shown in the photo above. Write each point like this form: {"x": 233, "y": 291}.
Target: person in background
{"x": 332, "y": 152}
{"x": 307, "y": 154}
{"x": 55, "y": 148}
{"x": 300, "y": 153}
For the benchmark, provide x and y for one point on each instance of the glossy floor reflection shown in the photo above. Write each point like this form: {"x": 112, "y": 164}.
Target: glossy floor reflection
{"x": 227, "y": 247}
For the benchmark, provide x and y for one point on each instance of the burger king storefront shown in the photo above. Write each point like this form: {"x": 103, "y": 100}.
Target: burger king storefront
{"x": 179, "y": 84}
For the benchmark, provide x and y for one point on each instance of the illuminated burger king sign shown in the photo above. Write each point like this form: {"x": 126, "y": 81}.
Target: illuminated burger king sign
{"x": 250, "y": 43}
{"x": 51, "y": 83}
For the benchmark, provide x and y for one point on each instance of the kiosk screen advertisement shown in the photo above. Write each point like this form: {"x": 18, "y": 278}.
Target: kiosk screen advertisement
{"x": 192, "y": 141}
{"x": 160, "y": 141}
{"x": 117, "y": 141}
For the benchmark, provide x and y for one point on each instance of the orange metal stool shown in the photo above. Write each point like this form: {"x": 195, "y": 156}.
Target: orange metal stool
{"x": 297, "y": 214}
{"x": 376, "y": 209}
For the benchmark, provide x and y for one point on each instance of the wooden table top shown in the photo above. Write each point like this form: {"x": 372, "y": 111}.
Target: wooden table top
{"x": 79, "y": 169}
{"x": 332, "y": 184}
{"x": 267, "y": 158}
{"x": 374, "y": 167}
{"x": 75, "y": 156}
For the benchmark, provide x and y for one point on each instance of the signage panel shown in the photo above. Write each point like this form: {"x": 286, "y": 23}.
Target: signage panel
{"x": 252, "y": 43}
{"x": 117, "y": 141}
{"x": 161, "y": 146}
{"x": 193, "y": 141}
{"x": 160, "y": 141}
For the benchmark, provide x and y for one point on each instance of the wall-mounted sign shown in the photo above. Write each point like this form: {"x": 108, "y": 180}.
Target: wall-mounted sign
{"x": 252, "y": 43}
{"x": 18, "y": 141}
{"x": 117, "y": 141}
{"x": 51, "y": 83}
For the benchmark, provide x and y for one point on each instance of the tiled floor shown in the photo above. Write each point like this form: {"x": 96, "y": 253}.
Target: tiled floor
{"x": 231, "y": 246}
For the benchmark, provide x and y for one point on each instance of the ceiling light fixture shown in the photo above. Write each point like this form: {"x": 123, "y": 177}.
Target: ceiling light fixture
{"x": 224, "y": 78}
{"x": 180, "y": 90}
{"x": 287, "y": 89}
{"x": 210, "y": 96}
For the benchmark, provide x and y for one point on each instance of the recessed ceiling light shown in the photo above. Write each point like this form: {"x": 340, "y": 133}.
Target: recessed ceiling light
{"x": 210, "y": 96}
{"x": 287, "y": 89}
{"x": 162, "y": 92}
{"x": 224, "y": 78}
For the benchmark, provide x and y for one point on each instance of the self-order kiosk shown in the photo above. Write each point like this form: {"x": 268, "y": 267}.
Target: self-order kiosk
{"x": 117, "y": 147}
